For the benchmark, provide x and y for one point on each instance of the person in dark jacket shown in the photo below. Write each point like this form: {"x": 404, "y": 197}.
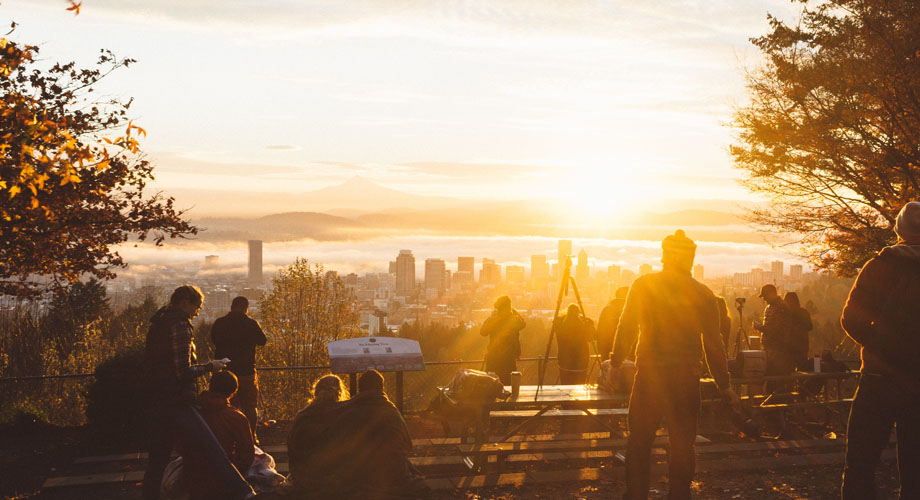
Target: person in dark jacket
{"x": 881, "y": 315}
{"x": 171, "y": 367}
{"x": 607, "y": 322}
{"x": 775, "y": 329}
{"x": 235, "y": 336}
{"x": 230, "y": 428}
{"x": 315, "y": 455}
{"x": 503, "y": 329}
{"x": 725, "y": 323}
{"x": 377, "y": 445}
{"x": 799, "y": 326}
{"x": 676, "y": 320}
{"x": 573, "y": 332}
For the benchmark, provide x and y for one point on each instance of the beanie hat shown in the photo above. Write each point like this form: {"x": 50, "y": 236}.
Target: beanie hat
{"x": 679, "y": 243}
{"x": 907, "y": 225}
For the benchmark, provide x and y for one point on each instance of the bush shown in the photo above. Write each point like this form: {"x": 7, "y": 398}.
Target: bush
{"x": 115, "y": 404}
{"x": 23, "y": 417}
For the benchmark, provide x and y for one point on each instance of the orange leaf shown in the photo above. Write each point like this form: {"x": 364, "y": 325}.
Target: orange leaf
{"x": 75, "y": 7}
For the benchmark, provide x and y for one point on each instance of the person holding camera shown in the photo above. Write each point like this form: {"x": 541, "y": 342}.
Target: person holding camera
{"x": 676, "y": 319}
{"x": 503, "y": 329}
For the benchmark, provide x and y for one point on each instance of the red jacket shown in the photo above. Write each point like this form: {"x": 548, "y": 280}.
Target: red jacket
{"x": 231, "y": 428}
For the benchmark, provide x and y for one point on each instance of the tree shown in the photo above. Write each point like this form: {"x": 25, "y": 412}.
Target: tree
{"x": 305, "y": 309}
{"x": 72, "y": 175}
{"x": 79, "y": 307}
{"x": 831, "y": 135}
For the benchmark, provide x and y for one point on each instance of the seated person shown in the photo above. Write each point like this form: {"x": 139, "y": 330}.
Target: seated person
{"x": 378, "y": 445}
{"x": 230, "y": 427}
{"x": 314, "y": 457}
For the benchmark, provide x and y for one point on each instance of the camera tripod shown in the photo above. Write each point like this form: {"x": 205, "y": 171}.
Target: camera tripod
{"x": 566, "y": 281}
{"x": 741, "y": 335}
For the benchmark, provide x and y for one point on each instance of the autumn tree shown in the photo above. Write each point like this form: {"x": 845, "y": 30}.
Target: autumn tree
{"x": 831, "y": 135}
{"x": 72, "y": 175}
{"x": 306, "y": 308}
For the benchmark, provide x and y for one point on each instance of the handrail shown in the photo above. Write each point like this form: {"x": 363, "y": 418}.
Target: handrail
{"x": 266, "y": 368}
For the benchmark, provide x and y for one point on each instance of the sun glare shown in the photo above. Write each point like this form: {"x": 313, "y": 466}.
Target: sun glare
{"x": 599, "y": 192}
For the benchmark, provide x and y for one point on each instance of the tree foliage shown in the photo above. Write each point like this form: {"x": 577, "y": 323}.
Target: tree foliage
{"x": 832, "y": 131}
{"x": 305, "y": 309}
{"x": 72, "y": 175}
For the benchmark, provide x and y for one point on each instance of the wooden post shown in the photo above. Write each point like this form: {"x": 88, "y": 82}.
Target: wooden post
{"x": 352, "y": 384}
{"x": 399, "y": 391}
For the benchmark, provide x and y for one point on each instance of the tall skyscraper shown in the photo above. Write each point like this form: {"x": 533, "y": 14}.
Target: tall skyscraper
{"x": 405, "y": 272}
{"x": 565, "y": 249}
{"x": 698, "y": 272}
{"x": 795, "y": 272}
{"x": 582, "y": 272}
{"x": 491, "y": 273}
{"x": 539, "y": 270}
{"x": 435, "y": 274}
{"x": 255, "y": 262}
{"x": 514, "y": 274}
{"x": 777, "y": 267}
{"x": 466, "y": 264}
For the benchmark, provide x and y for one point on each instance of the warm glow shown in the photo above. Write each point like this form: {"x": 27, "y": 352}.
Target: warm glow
{"x": 598, "y": 192}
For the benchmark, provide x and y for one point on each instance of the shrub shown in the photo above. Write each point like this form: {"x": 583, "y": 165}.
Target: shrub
{"x": 23, "y": 417}
{"x": 115, "y": 404}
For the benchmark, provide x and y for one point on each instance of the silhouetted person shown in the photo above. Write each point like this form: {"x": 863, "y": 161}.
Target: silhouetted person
{"x": 230, "y": 428}
{"x": 676, "y": 319}
{"x": 799, "y": 326}
{"x": 607, "y": 322}
{"x": 725, "y": 322}
{"x": 503, "y": 329}
{"x": 315, "y": 456}
{"x": 377, "y": 445}
{"x": 573, "y": 333}
{"x": 777, "y": 342}
{"x": 235, "y": 336}
{"x": 882, "y": 316}
{"x": 171, "y": 368}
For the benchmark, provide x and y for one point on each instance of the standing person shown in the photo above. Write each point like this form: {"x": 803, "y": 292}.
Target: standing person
{"x": 725, "y": 322}
{"x": 573, "y": 332}
{"x": 231, "y": 429}
{"x": 503, "y": 328}
{"x": 799, "y": 326}
{"x": 780, "y": 349}
{"x": 170, "y": 366}
{"x": 676, "y": 320}
{"x": 881, "y": 316}
{"x": 236, "y": 336}
{"x": 607, "y": 322}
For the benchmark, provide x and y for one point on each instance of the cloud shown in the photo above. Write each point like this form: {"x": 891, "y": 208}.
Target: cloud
{"x": 283, "y": 147}
{"x": 468, "y": 170}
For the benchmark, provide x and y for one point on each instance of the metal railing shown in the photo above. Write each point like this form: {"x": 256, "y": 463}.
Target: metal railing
{"x": 284, "y": 389}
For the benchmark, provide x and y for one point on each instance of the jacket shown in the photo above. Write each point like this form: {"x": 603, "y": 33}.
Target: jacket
{"x": 882, "y": 316}
{"x": 236, "y": 336}
{"x": 503, "y": 329}
{"x": 170, "y": 362}
{"x": 676, "y": 319}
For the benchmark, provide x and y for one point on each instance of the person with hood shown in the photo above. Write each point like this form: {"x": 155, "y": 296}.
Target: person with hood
{"x": 377, "y": 445}
{"x": 607, "y": 322}
{"x": 881, "y": 315}
{"x": 315, "y": 456}
{"x": 235, "y": 336}
{"x": 171, "y": 368}
{"x": 573, "y": 332}
{"x": 230, "y": 428}
{"x": 503, "y": 328}
{"x": 799, "y": 326}
{"x": 676, "y": 320}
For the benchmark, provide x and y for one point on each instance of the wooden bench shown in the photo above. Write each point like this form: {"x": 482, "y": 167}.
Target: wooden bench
{"x": 476, "y": 456}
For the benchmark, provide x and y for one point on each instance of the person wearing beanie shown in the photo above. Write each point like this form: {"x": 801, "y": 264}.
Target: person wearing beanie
{"x": 503, "y": 328}
{"x": 676, "y": 320}
{"x": 881, "y": 315}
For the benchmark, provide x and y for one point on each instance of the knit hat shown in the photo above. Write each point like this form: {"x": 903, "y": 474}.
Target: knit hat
{"x": 907, "y": 225}
{"x": 678, "y": 243}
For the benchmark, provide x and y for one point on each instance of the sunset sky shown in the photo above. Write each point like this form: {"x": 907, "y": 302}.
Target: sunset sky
{"x": 489, "y": 100}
